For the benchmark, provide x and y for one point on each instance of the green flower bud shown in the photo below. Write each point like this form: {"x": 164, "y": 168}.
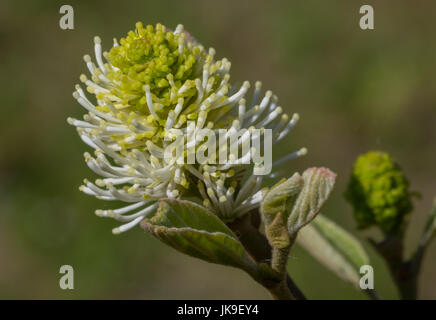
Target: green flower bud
{"x": 379, "y": 192}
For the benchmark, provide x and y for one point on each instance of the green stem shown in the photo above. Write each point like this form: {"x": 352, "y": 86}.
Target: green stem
{"x": 391, "y": 249}
{"x": 408, "y": 283}
{"x": 404, "y": 272}
{"x": 279, "y": 259}
{"x": 279, "y": 262}
{"x": 281, "y": 292}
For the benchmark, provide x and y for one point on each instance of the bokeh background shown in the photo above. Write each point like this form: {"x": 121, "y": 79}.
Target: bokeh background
{"x": 355, "y": 90}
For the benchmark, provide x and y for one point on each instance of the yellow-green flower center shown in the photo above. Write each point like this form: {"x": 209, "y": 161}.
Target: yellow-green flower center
{"x": 151, "y": 56}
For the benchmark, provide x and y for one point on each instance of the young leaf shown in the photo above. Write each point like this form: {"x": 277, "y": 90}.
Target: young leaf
{"x": 193, "y": 230}
{"x": 317, "y": 186}
{"x": 276, "y": 207}
{"x": 334, "y": 247}
{"x": 173, "y": 213}
{"x": 276, "y": 199}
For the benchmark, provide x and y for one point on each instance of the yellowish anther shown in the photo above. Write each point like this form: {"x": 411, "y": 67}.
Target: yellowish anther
{"x": 139, "y": 25}
{"x": 223, "y": 199}
{"x": 184, "y": 183}
{"x": 100, "y": 183}
{"x": 302, "y": 151}
{"x": 213, "y": 68}
{"x": 150, "y": 119}
{"x": 154, "y": 160}
{"x": 192, "y": 116}
{"x": 210, "y": 192}
{"x": 206, "y": 203}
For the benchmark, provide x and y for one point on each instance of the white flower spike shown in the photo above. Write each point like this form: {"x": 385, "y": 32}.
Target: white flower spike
{"x": 147, "y": 90}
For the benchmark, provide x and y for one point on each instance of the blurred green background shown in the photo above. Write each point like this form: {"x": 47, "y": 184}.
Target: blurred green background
{"x": 355, "y": 90}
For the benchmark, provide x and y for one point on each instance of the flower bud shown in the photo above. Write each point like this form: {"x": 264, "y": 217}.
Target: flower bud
{"x": 379, "y": 192}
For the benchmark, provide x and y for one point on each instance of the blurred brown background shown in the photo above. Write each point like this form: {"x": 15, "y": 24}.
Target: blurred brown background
{"x": 355, "y": 90}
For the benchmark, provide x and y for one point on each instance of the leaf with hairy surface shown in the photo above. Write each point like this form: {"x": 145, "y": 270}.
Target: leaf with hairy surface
{"x": 335, "y": 248}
